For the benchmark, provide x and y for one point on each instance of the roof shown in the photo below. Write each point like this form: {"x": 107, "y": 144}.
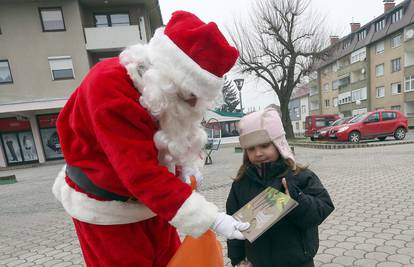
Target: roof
{"x": 222, "y": 116}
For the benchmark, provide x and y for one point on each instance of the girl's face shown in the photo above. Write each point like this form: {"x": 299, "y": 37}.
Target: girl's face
{"x": 262, "y": 153}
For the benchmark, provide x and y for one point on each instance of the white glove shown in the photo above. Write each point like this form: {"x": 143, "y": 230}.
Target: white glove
{"x": 229, "y": 227}
{"x": 187, "y": 172}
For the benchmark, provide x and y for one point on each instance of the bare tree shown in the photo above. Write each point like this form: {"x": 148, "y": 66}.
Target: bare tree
{"x": 280, "y": 44}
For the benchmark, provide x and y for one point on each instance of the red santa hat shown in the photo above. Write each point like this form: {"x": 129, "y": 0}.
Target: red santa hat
{"x": 194, "y": 55}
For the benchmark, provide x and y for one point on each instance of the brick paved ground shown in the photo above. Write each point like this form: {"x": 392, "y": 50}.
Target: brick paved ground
{"x": 372, "y": 188}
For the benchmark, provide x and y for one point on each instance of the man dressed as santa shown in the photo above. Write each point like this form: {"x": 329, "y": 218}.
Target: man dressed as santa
{"x": 130, "y": 118}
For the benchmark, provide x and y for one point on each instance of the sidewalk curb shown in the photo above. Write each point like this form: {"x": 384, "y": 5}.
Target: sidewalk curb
{"x": 346, "y": 146}
{"x": 33, "y": 165}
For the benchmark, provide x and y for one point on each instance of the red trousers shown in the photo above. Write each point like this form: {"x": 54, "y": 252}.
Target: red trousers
{"x": 150, "y": 243}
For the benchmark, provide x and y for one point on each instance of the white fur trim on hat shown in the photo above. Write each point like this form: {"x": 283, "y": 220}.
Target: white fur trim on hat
{"x": 186, "y": 73}
{"x": 195, "y": 216}
{"x": 89, "y": 210}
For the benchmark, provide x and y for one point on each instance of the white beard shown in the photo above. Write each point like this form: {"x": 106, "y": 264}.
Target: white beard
{"x": 181, "y": 137}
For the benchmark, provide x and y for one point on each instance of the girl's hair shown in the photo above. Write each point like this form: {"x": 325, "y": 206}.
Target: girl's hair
{"x": 291, "y": 165}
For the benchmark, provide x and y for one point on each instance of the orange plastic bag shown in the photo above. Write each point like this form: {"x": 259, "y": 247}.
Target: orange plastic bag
{"x": 204, "y": 251}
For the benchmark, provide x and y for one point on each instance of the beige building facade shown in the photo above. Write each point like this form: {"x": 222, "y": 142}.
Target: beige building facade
{"x": 47, "y": 47}
{"x": 372, "y": 67}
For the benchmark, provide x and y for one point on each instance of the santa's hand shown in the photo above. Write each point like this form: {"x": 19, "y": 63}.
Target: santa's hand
{"x": 191, "y": 175}
{"x": 225, "y": 225}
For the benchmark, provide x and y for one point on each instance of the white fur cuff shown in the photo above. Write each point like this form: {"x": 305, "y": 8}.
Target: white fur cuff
{"x": 89, "y": 210}
{"x": 195, "y": 216}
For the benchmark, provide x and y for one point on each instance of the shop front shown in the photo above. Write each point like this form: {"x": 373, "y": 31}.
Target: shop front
{"x": 49, "y": 136}
{"x": 17, "y": 141}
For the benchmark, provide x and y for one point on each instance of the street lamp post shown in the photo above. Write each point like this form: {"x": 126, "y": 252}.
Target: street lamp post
{"x": 239, "y": 85}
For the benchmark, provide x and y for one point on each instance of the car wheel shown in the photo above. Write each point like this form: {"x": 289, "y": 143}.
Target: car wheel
{"x": 354, "y": 137}
{"x": 399, "y": 133}
{"x": 382, "y": 138}
{"x": 312, "y": 139}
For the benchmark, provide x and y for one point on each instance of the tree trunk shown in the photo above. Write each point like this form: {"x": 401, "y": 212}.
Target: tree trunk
{"x": 287, "y": 124}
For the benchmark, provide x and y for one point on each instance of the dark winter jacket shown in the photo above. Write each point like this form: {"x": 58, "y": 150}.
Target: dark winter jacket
{"x": 293, "y": 241}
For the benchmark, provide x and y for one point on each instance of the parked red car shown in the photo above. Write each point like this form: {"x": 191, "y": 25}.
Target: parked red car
{"x": 316, "y": 122}
{"x": 323, "y": 133}
{"x": 375, "y": 124}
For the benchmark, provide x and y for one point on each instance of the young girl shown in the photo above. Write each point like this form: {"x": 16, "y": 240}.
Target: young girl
{"x": 268, "y": 161}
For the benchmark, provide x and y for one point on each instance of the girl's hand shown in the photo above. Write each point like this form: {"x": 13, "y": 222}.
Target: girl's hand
{"x": 285, "y": 185}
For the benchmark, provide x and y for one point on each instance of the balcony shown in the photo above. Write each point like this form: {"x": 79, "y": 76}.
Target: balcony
{"x": 113, "y": 38}
{"x": 359, "y": 84}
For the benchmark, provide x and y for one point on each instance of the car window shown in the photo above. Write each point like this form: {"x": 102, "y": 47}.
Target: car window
{"x": 320, "y": 122}
{"x": 373, "y": 117}
{"x": 388, "y": 115}
{"x": 357, "y": 118}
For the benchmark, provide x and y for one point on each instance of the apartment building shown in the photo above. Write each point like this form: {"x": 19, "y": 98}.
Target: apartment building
{"x": 299, "y": 108}
{"x": 46, "y": 48}
{"x": 314, "y": 97}
{"x": 372, "y": 67}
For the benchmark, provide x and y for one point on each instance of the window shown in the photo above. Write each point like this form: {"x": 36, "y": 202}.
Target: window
{"x": 379, "y": 70}
{"x": 346, "y": 43}
{"x": 356, "y": 95}
{"x": 229, "y": 128}
{"x": 358, "y": 55}
{"x": 112, "y": 20}
{"x": 297, "y": 125}
{"x": 379, "y": 25}
{"x": 321, "y": 122}
{"x": 5, "y": 74}
{"x": 326, "y": 87}
{"x": 395, "y": 88}
{"x": 409, "y": 83}
{"x": 373, "y": 117}
{"x": 398, "y": 107}
{"x": 379, "y": 47}
{"x": 335, "y": 84}
{"x": 61, "y": 68}
{"x": 388, "y": 115}
{"x": 314, "y": 105}
{"x": 380, "y": 91}
{"x": 359, "y": 94}
{"x": 326, "y": 102}
{"x": 313, "y": 91}
{"x": 362, "y": 34}
{"x": 396, "y": 65}
{"x": 52, "y": 19}
{"x": 296, "y": 111}
{"x": 335, "y": 101}
{"x": 344, "y": 98}
{"x": 303, "y": 109}
{"x": 396, "y": 41}
{"x": 397, "y": 15}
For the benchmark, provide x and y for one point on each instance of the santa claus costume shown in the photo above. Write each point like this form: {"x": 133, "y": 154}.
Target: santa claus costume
{"x": 130, "y": 117}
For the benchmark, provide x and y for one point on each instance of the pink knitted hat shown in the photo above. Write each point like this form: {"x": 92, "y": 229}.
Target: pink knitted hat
{"x": 263, "y": 127}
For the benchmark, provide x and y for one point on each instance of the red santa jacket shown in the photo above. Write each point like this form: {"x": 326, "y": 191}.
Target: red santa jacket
{"x": 105, "y": 131}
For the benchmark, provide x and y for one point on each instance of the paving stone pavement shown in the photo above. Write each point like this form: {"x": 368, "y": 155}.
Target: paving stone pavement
{"x": 372, "y": 189}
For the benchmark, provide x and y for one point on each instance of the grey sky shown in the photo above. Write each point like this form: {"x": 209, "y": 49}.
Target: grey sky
{"x": 338, "y": 14}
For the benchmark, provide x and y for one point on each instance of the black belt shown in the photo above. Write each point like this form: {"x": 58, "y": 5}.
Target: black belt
{"x": 80, "y": 179}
